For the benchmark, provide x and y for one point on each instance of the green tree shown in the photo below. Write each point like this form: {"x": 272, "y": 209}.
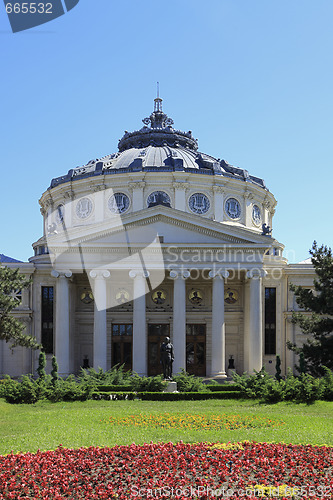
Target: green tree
{"x": 11, "y": 329}
{"x": 54, "y": 372}
{"x": 41, "y": 366}
{"x": 317, "y": 318}
{"x": 278, "y": 369}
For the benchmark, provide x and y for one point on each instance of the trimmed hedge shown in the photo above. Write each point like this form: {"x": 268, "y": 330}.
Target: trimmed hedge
{"x": 223, "y": 387}
{"x": 118, "y": 396}
{"x": 166, "y": 396}
{"x": 192, "y": 396}
{"x": 113, "y": 388}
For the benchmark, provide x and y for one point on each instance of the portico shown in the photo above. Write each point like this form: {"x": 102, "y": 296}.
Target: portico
{"x": 130, "y": 332}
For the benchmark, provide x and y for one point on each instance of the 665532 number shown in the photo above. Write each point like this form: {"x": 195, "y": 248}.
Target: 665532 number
{"x": 29, "y": 8}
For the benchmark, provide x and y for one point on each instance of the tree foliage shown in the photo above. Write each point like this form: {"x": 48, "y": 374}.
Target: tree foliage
{"x": 11, "y": 329}
{"x": 317, "y": 318}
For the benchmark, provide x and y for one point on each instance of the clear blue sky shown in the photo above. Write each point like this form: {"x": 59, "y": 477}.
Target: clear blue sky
{"x": 253, "y": 80}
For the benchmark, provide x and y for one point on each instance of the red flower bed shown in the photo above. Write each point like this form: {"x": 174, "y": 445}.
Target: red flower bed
{"x": 170, "y": 471}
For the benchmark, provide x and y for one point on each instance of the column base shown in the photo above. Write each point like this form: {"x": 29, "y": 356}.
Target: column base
{"x": 218, "y": 375}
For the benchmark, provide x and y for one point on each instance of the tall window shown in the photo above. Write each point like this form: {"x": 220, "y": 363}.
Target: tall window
{"x": 156, "y": 336}
{"x": 47, "y": 319}
{"x": 121, "y": 347}
{"x": 270, "y": 320}
{"x": 196, "y": 349}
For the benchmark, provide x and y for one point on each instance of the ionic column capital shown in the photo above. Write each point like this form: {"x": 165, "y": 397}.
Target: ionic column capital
{"x": 138, "y": 274}
{"x": 256, "y": 273}
{"x": 99, "y": 274}
{"x": 180, "y": 274}
{"x": 136, "y": 185}
{"x": 180, "y": 185}
{"x": 222, "y": 273}
{"x": 61, "y": 274}
{"x": 218, "y": 189}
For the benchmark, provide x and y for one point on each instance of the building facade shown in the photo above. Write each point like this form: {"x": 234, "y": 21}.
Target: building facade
{"x": 158, "y": 240}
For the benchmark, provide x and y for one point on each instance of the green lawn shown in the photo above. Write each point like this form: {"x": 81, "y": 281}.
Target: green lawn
{"x": 45, "y": 425}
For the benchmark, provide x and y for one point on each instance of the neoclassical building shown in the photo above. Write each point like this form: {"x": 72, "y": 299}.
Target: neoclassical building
{"x": 155, "y": 240}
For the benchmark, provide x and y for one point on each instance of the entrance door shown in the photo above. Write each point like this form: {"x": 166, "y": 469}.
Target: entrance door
{"x": 121, "y": 345}
{"x": 156, "y": 336}
{"x": 196, "y": 349}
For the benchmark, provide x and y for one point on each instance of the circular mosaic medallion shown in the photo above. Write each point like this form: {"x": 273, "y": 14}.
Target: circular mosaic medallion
{"x": 158, "y": 297}
{"x": 195, "y": 297}
{"x": 84, "y": 208}
{"x": 199, "y": 203}
{"x": 232, "y": 208}
{"x": 122, "y": 296}
{"x": 158, "y": 198}
{"x": 118, "y": 203}
{"x": 256, "y": 215}
{"x": 86, "y": 297}
{"x": 230, "y": 296}
{"x": 60, "y": 214}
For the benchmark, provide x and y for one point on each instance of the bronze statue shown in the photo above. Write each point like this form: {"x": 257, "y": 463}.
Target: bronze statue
{"x": 266, "y": 230}
{"x": 167, "y": 358}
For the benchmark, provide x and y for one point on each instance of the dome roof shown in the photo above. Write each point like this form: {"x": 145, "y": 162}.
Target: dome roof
{"x": 157, "y": 146}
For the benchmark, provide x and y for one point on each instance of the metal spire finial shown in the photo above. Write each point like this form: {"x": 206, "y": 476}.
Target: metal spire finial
{"x": 158, "y": 100}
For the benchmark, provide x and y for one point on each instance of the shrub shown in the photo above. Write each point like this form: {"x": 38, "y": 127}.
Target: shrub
{"x": 251, "y": 386}
{"x": 149, "y": 384}
{"x": 24, "y": 391}
{"x": 189, "y": 383}
{"x": 273, "y": 391}
{"x": 327, "y": 385}
{"x": 70, "y": 390}
{"x": 116, "y": 376}
{"x": 3, "y": 385}
{"x": 309, "y": 389}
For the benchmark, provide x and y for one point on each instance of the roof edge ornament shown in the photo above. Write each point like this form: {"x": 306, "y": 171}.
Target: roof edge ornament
{"x": 158, "y": 131}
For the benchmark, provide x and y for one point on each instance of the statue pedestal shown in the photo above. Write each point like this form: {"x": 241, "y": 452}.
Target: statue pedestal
{"x": 171, "y": 387}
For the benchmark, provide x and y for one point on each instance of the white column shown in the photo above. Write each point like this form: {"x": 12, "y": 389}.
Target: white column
{"x": 179, "y": 319}
{"x": 139, "y": 322}
{"x": 255, "y": 342}
{"x": 99, "y": 194}
{"x": 62, "y": 322}
{"x": 100, "y": 326}
{"x": 180, "y": 191}
{"x": 248, "y": 208}
{"x": 246, "y": 326}
{"x": 218, "y": 202}
{"x": 137, "y": 198}
{"x": 290, "y": 336}
{"x": 218, "y": 325}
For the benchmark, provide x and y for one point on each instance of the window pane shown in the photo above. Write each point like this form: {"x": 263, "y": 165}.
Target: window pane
{"x": 47, "y": 319}
{"x": 270, "y": 320}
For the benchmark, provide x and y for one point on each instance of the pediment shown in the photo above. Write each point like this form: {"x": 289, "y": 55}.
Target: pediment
{"x": 173, "y": 227}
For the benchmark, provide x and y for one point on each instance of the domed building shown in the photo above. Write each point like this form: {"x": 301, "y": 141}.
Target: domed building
{"x": 158, "y": 240}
